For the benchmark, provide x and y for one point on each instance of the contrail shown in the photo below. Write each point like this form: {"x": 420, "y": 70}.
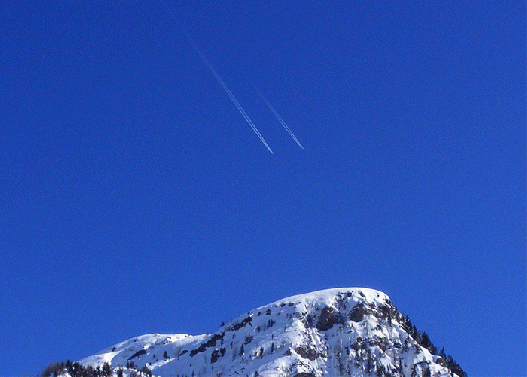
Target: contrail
{"x": 231, "y": 96}
{"x": 220, "y": 80}
{"x": 282, "y": 122}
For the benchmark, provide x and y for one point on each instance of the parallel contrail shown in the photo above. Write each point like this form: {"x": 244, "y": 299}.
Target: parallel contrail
{"x": 282, "y": 122}
{"x": 220, "y": 80}
{"x": 231, "y": 96}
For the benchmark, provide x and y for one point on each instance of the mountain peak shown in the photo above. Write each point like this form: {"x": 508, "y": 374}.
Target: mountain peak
{"x": 333, "y": 332}
{"x": 328, "y": 296}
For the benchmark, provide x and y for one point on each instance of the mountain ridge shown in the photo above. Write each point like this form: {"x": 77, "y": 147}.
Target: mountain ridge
{"x": 332, "y": 332}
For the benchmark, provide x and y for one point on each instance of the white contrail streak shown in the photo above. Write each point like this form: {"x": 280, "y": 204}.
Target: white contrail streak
{"x": 220, "y": 81}
{"x": 231, "y": 96}
{"x": 282, "y": 122}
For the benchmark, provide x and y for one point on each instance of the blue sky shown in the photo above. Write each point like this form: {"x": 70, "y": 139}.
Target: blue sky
{"x": 136, "y": 199}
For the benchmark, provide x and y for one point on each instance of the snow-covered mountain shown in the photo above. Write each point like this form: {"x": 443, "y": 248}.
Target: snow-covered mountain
{"x": 335, "y": 332}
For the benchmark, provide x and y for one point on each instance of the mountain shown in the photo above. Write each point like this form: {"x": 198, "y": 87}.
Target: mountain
{"x": 334, "y": 332}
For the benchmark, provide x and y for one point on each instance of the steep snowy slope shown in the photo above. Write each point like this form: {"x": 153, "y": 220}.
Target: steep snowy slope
{"x": 335, "y": 332}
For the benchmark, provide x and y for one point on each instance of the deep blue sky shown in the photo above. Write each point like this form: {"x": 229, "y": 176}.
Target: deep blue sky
{"x": 136, "y": 199}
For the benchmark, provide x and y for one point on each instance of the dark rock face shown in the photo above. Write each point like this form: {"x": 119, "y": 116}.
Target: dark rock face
{"x": 307, "y": 353}
{"x": 328, "y": 318}
{"x": 357, "y": 313}
{"x": 239, "y": 325}
{"x": 137, "y": 354}
{"x": 210, "y": 343}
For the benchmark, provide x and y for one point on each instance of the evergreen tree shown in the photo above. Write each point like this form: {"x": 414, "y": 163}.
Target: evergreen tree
{"x": 146, "y": 371}
{"x": 53, "y": 370}
{"x": 107, "y": 370}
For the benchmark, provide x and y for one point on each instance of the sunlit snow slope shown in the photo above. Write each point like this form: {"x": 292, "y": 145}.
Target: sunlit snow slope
{"x": 335, "y": 332}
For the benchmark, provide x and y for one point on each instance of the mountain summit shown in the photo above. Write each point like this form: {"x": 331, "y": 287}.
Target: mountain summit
{"x": 334, "y": 332}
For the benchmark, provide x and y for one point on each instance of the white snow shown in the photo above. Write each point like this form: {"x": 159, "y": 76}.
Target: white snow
{"x": 283, "y": 338}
